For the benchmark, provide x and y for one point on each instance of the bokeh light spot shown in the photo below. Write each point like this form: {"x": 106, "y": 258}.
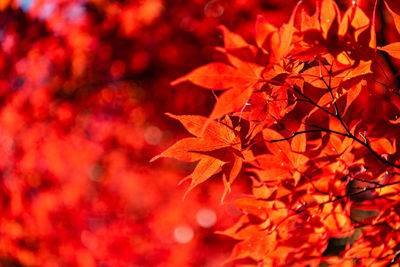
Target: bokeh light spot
{"x": 183, "y": 234}
{"x": 206, "y": 218}
{"x": 152, "y": 135}
{"x": 213, "y": 9}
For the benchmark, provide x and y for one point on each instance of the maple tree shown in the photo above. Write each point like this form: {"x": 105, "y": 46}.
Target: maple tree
{"x": 79, "y": 122}
{"x": 83, "y": 85}
{"x": 308, "y": 114}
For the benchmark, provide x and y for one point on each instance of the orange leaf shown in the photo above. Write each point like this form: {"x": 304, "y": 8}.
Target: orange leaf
{"x": 192, "y": 123}
{"x": 329, "y": 11}
{"x": 323, "y": 101}
{"x": 344, "y": 24}
{"x": 383, "y": 146}
{"x": 184, "y": 149}
{"x": 363, "y": 68}
{"x": 285, "y": 37}
{"x": 216, "y": 76}
{"x": 276, "y": 147}
{"x": 235, "y": 41}
{"x": 299, "y": 141}
{"x": 396, "y": 17}
{"x": 207, "y": 167}
{"x": 216, "y": 136}
{"x": 372, "y": 42}
{"x": 230, "y": 101}
{"x": 216, "y": 131}
{"x": 235, "y": 170}
{"x": 360, "y": 22}
{"x": 263, "y": 31}
{"x": 392, "y": 49}
{"x": 213, "y": 148}
{"x": 396, "y": 121}
{"x": 232, "y": 173}
{"x": 219, "y": 132}
{"x": 352, "y": 94}
{"x": 309, "y": 22}
{"x": 243, "y": 66}
{"x": 240, "y": 92}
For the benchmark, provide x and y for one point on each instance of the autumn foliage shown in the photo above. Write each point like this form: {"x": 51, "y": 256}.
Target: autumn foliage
{"x": 83, "y": 86}
{"x": 308, "y": 113}
{"x": 296, "y": 133}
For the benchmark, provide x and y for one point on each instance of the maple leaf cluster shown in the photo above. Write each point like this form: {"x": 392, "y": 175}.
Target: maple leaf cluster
{"x": 308, "y": 114}
{"x": 82, "y": 88}
{"x": 83, "y": 85}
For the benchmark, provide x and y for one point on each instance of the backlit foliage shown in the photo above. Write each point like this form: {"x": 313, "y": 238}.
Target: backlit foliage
{"x": 83, "y": 85}
{"x": 309, "y": 113}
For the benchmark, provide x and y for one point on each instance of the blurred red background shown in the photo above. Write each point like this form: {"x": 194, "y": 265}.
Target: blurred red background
{"x": 84, "y": 85}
